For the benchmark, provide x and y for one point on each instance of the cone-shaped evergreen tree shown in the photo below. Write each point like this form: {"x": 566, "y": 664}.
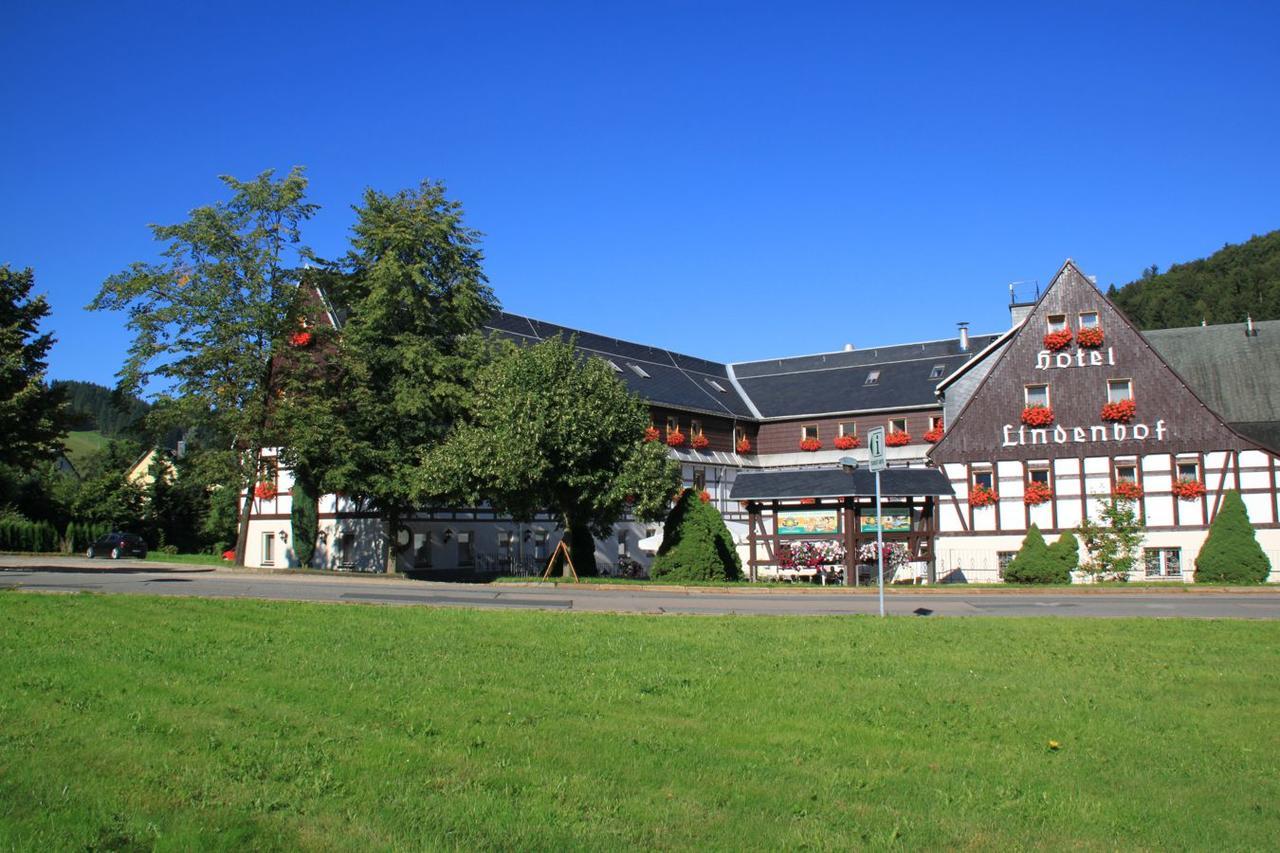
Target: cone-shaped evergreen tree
{"x": 696, "y": 546}
{"x": 1036, "y": 562}
{"x": 1067, "y": 552}
{"x": 1231, "y": 553}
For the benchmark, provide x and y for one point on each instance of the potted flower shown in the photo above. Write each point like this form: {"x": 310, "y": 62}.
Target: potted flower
{"x": 1036, "y": 493}
{"x": 1037, "y": 415}
{"x": 980, "y": 496}
{"x": 847, "y": 442}
{"x": 651, "y": 433}
{"x": 744, "y": 445}
{"x": 897, "y": 439}
{"x": 1090, "y": 337}
{"x": 699, "y": 442}
{"x": 1127, "y": 489}
{"x": 264, "y": 490}
{"x": 1121, "y": 412}
{"x": 301, "y": 339}
{"x": 1055, "y": 341}
{"x": 675, "y": 438}
{"x": 809, "y": 445}
{"x": 1188, "y": 489}
{"x": 934, "y": 435}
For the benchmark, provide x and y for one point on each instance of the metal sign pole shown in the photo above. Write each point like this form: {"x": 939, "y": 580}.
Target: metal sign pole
{"x": 880, "y": 543}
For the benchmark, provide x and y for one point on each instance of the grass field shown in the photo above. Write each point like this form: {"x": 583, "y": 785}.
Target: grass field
{"x": 81, "y": 443}
{"x": 192, "y": 559}
{"x": 136, "y": 722}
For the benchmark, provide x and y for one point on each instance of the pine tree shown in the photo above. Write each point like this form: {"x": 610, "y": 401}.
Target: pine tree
{"x": 696, "y": 545}
{"x": 33, "y": 416}
{"x": 1231, "y": 553}
{"x": 1034, "y": 562}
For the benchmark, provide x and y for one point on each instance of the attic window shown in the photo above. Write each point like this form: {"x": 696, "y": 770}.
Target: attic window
{"x": 1088, "y": 319}
{"x": 873, "y": 378}
{"x": 615, "y": 367}
{"x": 1056, "y": 322}
{"x": 638, "y": 370}
{"x": 937, "y": 371}
{"x": 716, "y": 385}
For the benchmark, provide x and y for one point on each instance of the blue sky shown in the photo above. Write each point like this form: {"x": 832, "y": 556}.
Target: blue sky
{"x": 732, "y": 180}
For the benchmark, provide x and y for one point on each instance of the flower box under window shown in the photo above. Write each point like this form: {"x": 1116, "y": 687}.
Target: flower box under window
{"x": 809, "y": 445}
{"x": 1120, "y": 412}
{"x": 847, "y": 442}
{"x": 898, "y": 439}
{"x": 1037, "y": 415}
{"x": 1037, "y": 492}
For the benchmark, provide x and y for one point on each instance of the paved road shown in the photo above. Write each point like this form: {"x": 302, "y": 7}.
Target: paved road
{"x": 141, "y": 578}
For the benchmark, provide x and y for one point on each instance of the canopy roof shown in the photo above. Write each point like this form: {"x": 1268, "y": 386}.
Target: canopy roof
{"x": 838, "y": 483}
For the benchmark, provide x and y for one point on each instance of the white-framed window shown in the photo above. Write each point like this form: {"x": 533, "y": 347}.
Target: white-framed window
{"x": 268, "y": 549}
{"x": 638, "y": 370}
{"x": 1036, "y": 395}
{"x": 1056, "y": 322}
{"x": 540, "y": 545}
{"x": 1163, "y": 562}
{"x": 699, "y": 477}
{"x": 1126, "y": 472}
{"x": 897, "y": 425}
{"x": 695, "y": 428}
{"x": 938, "y": 371}
{"x": 1088, "y": 319}
{"x": 614, "y": 365}
{"x": 1038, "y": 474}
{"x": 848, "y": 428}
{"x": 984, "y": 477}
{"x": 673, "y": 424}
{"x": 622, "y": 543}
{"x": 873, "y": 378}
{"x": 1188, "y": 469}
{"x": 1119, "y": 390}
{"x": 739, "y": 433}
{"x": 935, "y": 422}
{"x": 466, "y": 550}
{"x": 422, "y": 550}
{"x": 504, "y": 546}
{"x": 347, "y": 549}
{"x": 716, "y": 385}
{"x": 809, "y": 431}
{"x": 1003, "y": 559}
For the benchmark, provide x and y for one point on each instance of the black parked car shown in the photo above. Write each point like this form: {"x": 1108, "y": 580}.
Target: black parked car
{"x": 117, "y": 545}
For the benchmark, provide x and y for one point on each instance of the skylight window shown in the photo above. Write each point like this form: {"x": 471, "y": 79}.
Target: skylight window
{"x": 873, "y": 378}
{"x": 937, "y": 371}
{"x": 716, "y": 385}
{"x": 615, "y": 367}
{"x": 638, "y": 370}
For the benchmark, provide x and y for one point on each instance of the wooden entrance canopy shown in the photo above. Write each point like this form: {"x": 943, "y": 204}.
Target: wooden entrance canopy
{"x": 838, "y": 483}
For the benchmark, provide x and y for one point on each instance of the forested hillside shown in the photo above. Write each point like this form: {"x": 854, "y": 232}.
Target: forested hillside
{"x": 1236, "y": 281}
{"x": 98, "y": 408}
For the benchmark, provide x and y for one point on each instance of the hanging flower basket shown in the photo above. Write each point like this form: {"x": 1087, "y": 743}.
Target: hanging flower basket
{"x": 1127, "y": 489}
{"x": 1036, "y": 493}
{"x": 1090, "y": 338}
{"x": 934, "y": 435}
{"x": 704, "y": 496}
{"x": 675, "y": 438}
{"x": 847, "y": 442}
{"x": 897, "y": 439}
{"x": 699, "y": 442}
{"x": 652, "y": 434}
{"x": 1058, "y": 340}
{"x": 301, "y": 339}
{"x": 1188, "y": 489}
{"x": 980, "y": 496}
{"x": 1121, "y": 412}
{"x": 1037, "y": 415}
{"x": 744, "y": 445}
{"x": 265, "y": 491}
{"x": 809, "y": 445}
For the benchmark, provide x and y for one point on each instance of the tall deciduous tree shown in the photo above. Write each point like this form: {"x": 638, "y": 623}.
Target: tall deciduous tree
{"x": 551, "y": 431}
{"x": 207, "y": 317}
{"x": 33, "y": 416}
{"x": 414, "y": 296}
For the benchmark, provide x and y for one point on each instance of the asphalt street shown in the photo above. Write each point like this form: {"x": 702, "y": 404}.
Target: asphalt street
{"x": 137, "y": 577}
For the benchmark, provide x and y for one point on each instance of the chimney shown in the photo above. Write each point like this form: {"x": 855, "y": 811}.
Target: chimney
{"x": 848, "y": 347}
{"x": 964, "y": 336}
{"x": 1249, "y": 330}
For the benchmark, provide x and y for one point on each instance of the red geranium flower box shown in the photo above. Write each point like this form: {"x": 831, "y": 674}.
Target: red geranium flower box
{"x": 744, "y": 445}
{"x": 1188, "y": 490}
{"x": 934, "y": 435}
{"x": 301, "y": 339}
{"x": 1055, "y": 341}
{"x": 897, "y": 439}
{"x": 1036, "y": 493}
{"x": 264, "y": 490}
{"x": 699, "y": 442}
{"x": 847, "y": 442}
{"x": 1090, "y": 338}
{"x": 651, "y": 433}
{"x": 704, "y": 496}
{"x": 809, "y": 445}
{"x": 980, "y": 495}
{"x": 1121, "y": 412}
{"x": 675, "y": 438}
{"x": 1037, "y": 415}
{"x": 1127, "y": 489}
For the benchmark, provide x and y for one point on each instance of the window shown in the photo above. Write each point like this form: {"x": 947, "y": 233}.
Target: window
{"x": 1056, "y": 322}
{"x": 268, "y": 549}
{"x": 422, "y": 550}
{"x": 1188, "y": 469}
{"x": 540, "y": 545}
{"x": 1036, "y": 395}
{"x": 1038, "y": 475}
{"x": 935, "y": 422}
{"x": 347, "y": 549}
{"x": 984, "y": 477}
{"x": 638, "y": 370}
{"x": 466, "y": 550}
{"x": 622, "y": 543}
{"x": 897, "y": 425}
{"x": 673, "y": 424}
{"x": 1126, "y": 472}
{"x": 695, "y": 428}
{"x": 848, "y": 428}
{"x": 614, "y": 365}
{"x": 1163, "y": 562}
{"x": 716, "y": 385}
{"x": 271, "y": 470}
{"x": 739, "y": 435}
{"x": 873, "y": 378}
{"x": 1088, "y": 319}
{"x": 938, "y": 370}
{"x": 1003, "y": 559}
{"x": 809, "y": 431}
{"x": 504, "y": 547}
{"x": 1119, "y": 390}
{"x": 699, "y": 478}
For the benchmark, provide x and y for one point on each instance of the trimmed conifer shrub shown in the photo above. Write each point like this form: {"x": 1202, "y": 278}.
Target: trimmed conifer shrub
{"x": 1231, "y": 553}
{"x": 304, "y": 516}
{"x": 1036, "y": 562}
{"x": 1067, "y": 552}
{"x": 696, "y": 546}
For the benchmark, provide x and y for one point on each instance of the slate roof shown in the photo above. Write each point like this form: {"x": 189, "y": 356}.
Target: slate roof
{"x": 836, "y": 482}
{"x": 829, "y": 383}
{"x": 1237, "y": 375}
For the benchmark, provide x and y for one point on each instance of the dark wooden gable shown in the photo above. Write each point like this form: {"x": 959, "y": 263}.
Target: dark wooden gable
{"x": 1169, "y": 419}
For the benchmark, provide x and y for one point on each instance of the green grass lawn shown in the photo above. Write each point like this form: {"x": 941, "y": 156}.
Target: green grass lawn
{"x": 193, "y": 559}
{"x": 81, "y": 443}
{"x": 186, "y": 723}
